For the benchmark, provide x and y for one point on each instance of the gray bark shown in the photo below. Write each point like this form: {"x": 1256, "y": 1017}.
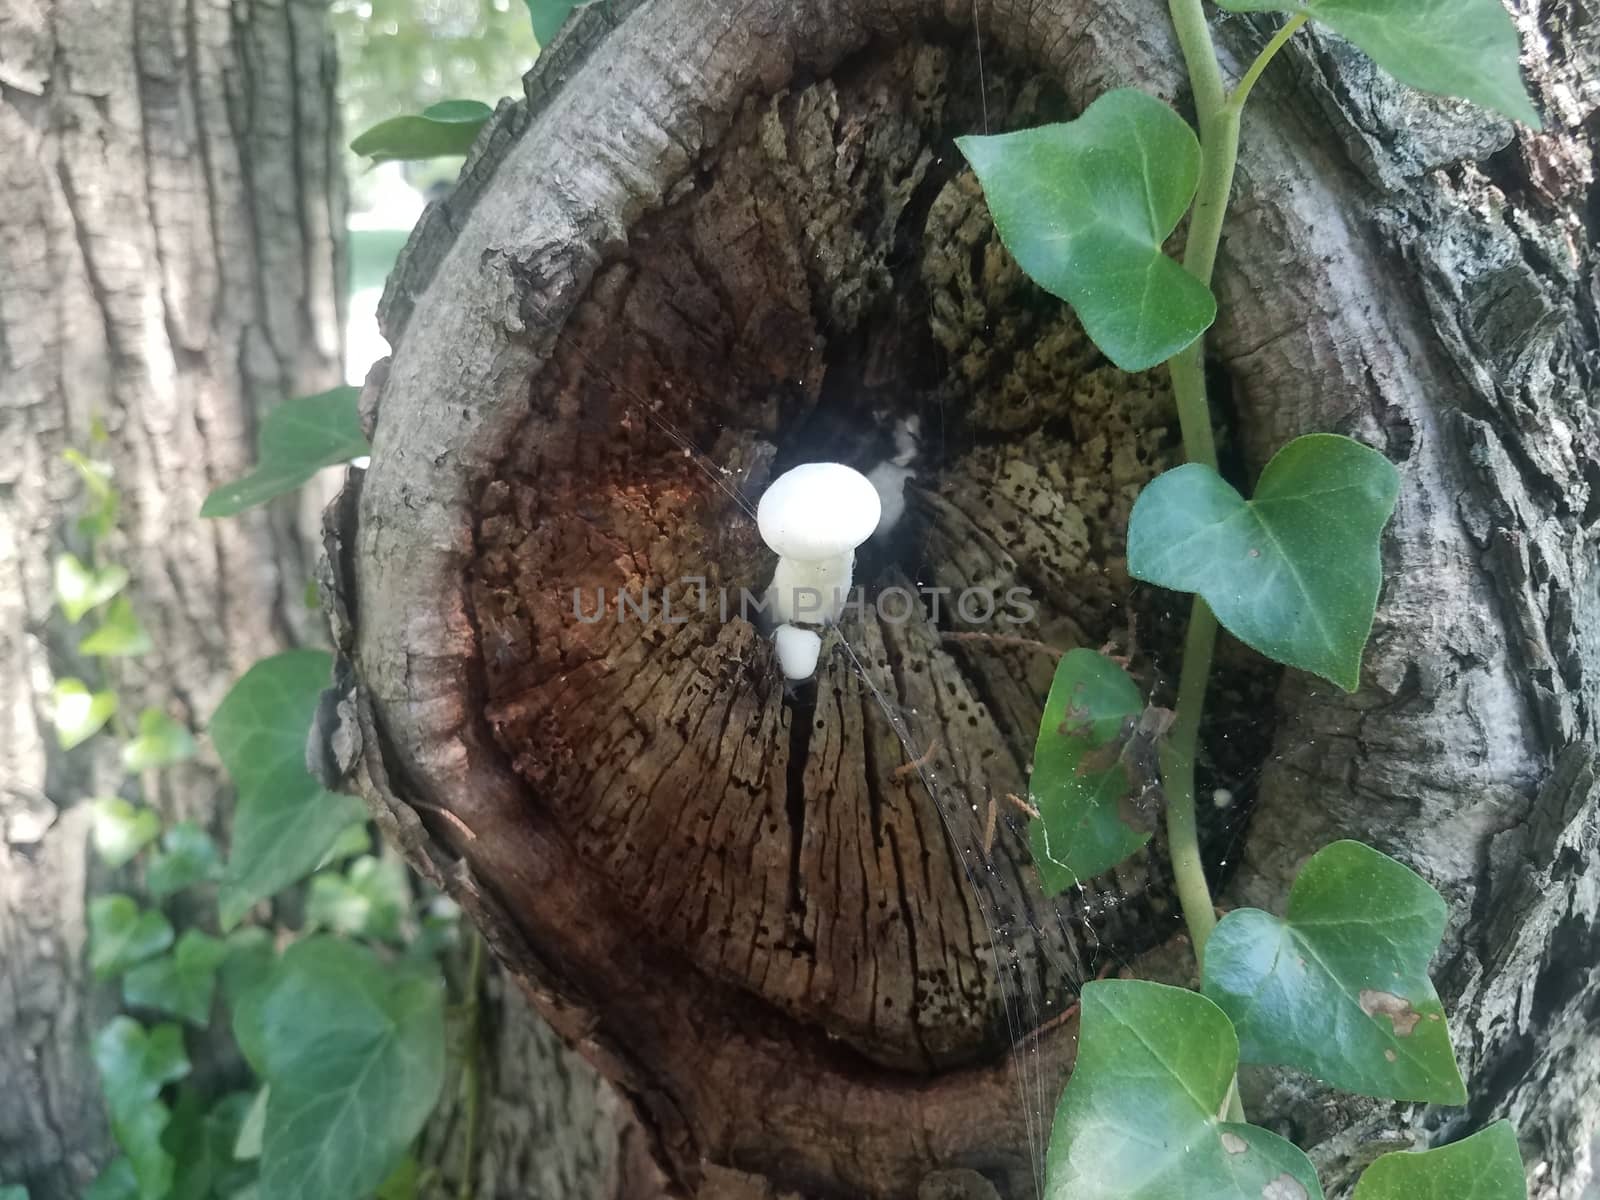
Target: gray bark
{"x": 676, "y": 222}
{"x": 171, "y": 265}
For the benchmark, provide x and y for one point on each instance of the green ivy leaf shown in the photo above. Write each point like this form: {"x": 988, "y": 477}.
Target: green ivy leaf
{"x": 120, "y": 635}
{"x": 1485, "y": 1166}
{"x": 253, "y": 1129}
{"x": 202, "y": 1141}
{"x": 80, "y": 713}
{"x": 548, "y": 17}
{"x": 298, "y": 438}
{"x": 1084, "y": 208}
{"x": 354, "y": 1053}
{"x": 187, "y": 856}
{"x": 134, "y": 1066}
{"x": 439, "y": 131}
{"x": 1081, "y": 830}
{"x": 1465, "y": 48}
{"x": 369, "y": 900}
{"x": 121, "y": 935}
{"x": 1339, "y": 988}
{"x": 181, "y": 983}
{"x": 162, "y": 741}
{"x": 1293, "y": 572}
{"x": 122, "y": 830}
{"x": 252, "y": 958}
{"x": 80, "y": 588}
{"x": 116, "y": 1182}
{"x": 353, "y": 840}
{"x": 1139, "y": 1121}
{"x": 13, "y": 1191}
{"x": 100, "y": 515}
{"x": 285, "y": 820}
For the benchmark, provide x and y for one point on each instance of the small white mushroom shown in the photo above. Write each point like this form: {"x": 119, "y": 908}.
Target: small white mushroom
{"x": 798, "y": 650}
{"x": 813, "y": 517}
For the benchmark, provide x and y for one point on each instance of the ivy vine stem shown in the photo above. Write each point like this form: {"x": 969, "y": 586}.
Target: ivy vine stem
{"x": 1218, "y": 114}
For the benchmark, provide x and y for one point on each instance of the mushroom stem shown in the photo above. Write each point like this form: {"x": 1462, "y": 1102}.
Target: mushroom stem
{"x": 811, "y": 592}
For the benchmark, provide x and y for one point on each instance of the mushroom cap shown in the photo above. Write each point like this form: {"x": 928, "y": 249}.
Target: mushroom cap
{"x": 798, "y": 651}
{"x": 817, "y": 511}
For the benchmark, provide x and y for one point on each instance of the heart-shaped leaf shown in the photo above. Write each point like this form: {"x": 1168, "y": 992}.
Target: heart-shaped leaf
{"x": 1339, "y": 988}
{"x": 120, "y": 635}
{"x": 439, "y": 131}
{"x": 162, "y": 741}
{"x": 298, "y": 438}
{"x": 1485, "y": 1166}
{"x": 354, "y": 1052}
{"x": 120, "y": 935}
{"x": 1139, "y": 1119}
{"x": 121, "y": 830}
{"x": 1085, "y": 206}
{"x": 1083, "y": 828}
{"x": 1465, "y": 48}
{"x": 1293, "y": 572}
{"x": 80, "y": 713}
{"x": 80, "y": 588}
{"x": 285, "y": 820}
{"x": 180, "y": 983}
{"x": 134, "y": 1066}
{"x": 187, "y": 856}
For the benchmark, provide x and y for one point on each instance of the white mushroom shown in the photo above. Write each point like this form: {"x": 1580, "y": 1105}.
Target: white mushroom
{"x": 798, "y": 650}
{"x": 813, "y": 517}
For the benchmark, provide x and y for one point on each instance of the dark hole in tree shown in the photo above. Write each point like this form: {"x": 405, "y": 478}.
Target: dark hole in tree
{"x": 828, "y": 276}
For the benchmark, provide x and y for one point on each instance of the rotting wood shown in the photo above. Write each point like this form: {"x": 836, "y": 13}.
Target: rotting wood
{"x": 568, "y": 218}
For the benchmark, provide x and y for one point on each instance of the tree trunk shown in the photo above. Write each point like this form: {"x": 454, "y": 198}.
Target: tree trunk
{"x": 171, "y": 265}
{"x": 718, "y": 239}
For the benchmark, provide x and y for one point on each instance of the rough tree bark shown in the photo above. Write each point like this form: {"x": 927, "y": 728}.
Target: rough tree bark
{"x": 717, "y": 238}
{"x": 171, "y": 265}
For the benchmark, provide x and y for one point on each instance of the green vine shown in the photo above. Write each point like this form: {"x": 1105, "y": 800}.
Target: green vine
{"x": 1338, "y": 987}
{"x": 1219, "y": 156}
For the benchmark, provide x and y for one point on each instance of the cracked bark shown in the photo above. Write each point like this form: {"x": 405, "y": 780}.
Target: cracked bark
{"x": 171, "y": 266}
{"x": 742, "y": 227}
